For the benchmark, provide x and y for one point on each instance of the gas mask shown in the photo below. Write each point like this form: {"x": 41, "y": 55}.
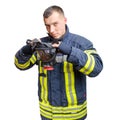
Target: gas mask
{"x": 45, "y": 53}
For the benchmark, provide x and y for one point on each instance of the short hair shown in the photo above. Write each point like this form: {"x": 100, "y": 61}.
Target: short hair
{"x": 48, "y": 12}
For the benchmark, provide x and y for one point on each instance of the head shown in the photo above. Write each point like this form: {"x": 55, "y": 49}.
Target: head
{"x": 55, "y": 21}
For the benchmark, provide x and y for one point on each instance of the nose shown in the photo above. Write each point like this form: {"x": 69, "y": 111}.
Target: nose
{"x": 52, "y": 29}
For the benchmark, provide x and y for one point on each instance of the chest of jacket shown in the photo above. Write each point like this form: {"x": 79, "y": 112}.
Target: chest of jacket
{"x": 62, "y": 86}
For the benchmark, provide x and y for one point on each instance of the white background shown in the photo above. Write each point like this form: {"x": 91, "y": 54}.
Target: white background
{"x": 97, "y": 20}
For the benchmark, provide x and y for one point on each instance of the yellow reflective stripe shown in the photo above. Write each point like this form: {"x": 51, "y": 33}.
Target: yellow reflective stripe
{"x": 91, "y": 51}
{"x": 46, "y": 114}
{"x": 44, "y": 86}
{"x": 22, "y": 66}
{"x": 68, "y": 109}
{"x": 26, "y": 64}
{"x": 70, "y": 84}
{"x": 33, "y": 59}
{"x": 71, "y": 116}
{"x": 64, "y": 116}
{"x": 89, "y": 66}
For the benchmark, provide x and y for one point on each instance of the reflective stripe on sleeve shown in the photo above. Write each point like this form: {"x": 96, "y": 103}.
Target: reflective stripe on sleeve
{"x": 90, "y": 64}
{"x": 21, "y": 66}
{"x": 33, "y": 59}
{"x": 26, "y": 64}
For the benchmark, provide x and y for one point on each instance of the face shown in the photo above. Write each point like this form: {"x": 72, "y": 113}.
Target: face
{"x": 55, "y": 25}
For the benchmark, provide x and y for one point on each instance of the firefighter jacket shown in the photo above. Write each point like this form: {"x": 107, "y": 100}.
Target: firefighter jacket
{"x": 62, "y": 91}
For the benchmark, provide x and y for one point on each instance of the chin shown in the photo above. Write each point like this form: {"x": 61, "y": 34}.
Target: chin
{"x": 56, "y": 37}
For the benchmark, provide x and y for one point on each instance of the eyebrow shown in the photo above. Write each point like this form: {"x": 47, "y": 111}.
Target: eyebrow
{"x": 51, "y": 23}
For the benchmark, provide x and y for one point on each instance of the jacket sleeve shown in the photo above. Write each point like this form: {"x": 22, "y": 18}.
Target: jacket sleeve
{"x": 23, "y": 61}
{"x": 83, "y": 56}
{"x": 87, "y": 62}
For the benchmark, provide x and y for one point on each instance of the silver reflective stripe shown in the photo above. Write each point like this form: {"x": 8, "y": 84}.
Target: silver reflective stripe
{"x": 60, "y": 58}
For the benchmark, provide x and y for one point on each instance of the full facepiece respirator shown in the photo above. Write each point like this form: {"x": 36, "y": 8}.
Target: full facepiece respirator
{"x": 45, "y": 53}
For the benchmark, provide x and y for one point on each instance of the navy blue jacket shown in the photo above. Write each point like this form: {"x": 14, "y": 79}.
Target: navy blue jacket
{"x": 62, "y": 91}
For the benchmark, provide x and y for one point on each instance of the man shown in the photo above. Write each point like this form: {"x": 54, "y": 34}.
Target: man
{"x": 62, "y": 91}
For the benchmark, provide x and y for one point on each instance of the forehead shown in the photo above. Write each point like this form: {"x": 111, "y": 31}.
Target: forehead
{"x": 55, "y": 16}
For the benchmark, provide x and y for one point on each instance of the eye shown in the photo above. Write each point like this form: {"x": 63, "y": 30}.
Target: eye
{"x": 47, "y": 26}
{"x": 55, "y": 24}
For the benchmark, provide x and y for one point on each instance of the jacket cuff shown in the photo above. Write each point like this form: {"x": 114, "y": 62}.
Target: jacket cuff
{"x": 27, "y": 50}
{"x": 66, "y": 49}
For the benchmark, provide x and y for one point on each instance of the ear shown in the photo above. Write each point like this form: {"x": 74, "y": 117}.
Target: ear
{"x": 65, "y": 19}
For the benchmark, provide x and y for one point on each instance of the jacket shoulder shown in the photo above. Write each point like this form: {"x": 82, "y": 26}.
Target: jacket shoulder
{"x": 80, "y": 41}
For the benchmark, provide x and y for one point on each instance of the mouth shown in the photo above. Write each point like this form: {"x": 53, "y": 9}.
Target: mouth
{"x": 55, "y": 35}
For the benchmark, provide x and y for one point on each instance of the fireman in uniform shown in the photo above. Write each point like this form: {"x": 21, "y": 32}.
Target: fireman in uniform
{"x": 62, "y": 91}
